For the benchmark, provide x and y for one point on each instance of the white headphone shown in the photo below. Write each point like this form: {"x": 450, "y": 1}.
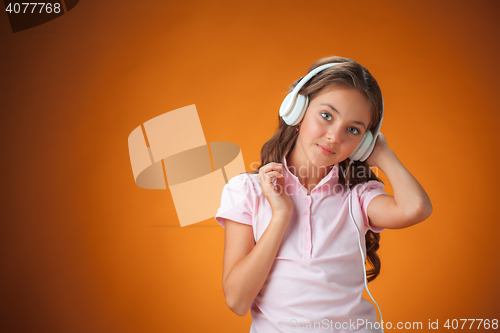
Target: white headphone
{"x": 294, "y": 107}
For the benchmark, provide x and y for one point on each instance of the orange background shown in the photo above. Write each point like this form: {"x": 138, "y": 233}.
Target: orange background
{"x": 84, "y": 249}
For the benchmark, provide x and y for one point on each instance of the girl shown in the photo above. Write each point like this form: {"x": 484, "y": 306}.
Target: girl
{"x": 294, "y": 251}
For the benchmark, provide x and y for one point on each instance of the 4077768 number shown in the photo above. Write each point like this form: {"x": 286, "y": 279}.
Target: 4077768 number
{"x": 474, "y": 323}
{"x": 33, "y": 7}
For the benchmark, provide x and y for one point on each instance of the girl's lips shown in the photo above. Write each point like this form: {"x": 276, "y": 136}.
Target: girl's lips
{"x": 325, "y": 151}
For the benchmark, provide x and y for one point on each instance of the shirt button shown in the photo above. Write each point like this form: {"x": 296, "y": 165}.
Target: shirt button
{"x": 306, "y": 228}
{"x": 306, "y": 213}
{"x": 307, "y": 246}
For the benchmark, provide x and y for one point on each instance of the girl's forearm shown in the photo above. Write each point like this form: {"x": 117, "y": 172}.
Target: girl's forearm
{"x": 409, "y": 195}
{"x": 246, "y": 278}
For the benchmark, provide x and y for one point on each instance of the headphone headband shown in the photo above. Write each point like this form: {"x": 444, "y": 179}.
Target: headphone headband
{"x": 311, "y": 74}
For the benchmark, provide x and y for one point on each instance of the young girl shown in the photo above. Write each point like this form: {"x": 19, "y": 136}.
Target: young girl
{"x": 298, "y": 229}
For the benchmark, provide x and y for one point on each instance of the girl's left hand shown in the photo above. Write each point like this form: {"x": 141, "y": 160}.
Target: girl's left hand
{"x": 380, "y": 147}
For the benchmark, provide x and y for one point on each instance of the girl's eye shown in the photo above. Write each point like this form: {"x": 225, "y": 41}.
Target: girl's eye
{"x": 356, "y": 131}
{"x": 328, "y": 115}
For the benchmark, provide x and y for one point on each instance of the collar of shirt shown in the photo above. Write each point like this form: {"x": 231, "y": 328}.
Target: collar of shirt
{"x": 324, "y": 187}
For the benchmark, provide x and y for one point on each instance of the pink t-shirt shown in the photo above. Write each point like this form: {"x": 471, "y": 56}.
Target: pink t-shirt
{"x": 316, "y": 282}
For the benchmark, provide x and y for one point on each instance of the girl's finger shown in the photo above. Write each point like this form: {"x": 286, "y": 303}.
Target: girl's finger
{"x": 271, "y": 166}
{"x": 271, "y": 176}
{"x": 269, "y": 173}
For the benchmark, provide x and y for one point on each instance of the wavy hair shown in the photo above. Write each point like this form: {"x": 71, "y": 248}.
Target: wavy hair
{"x": 347, "y": 74}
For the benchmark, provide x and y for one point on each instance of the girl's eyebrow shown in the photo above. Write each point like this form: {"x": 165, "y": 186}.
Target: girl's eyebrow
{"x": 335, "y": 110}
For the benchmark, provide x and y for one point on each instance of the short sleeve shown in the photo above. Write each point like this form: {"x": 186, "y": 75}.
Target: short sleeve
{"x": 236, "y": 201}
{"x": 366, "y": 193}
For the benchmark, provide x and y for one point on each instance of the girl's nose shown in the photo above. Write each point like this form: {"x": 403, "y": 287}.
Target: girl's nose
{"x": 334, "y": 134}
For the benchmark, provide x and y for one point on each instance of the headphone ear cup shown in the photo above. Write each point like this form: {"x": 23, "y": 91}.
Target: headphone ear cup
{"x": 370, "y": 148}
{"x": 287, "y": 104}
{"x": 299, "y": 109}
{"x": 293, "y": 108}
{"x": 362, "y": 150}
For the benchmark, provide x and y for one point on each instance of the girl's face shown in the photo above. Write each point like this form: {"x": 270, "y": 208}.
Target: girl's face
{"x": 336, "y": 119}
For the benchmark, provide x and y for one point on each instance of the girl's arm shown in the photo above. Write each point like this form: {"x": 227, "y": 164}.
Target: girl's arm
{"x": 410, "y": 203}
{"x": 246, "y": 264}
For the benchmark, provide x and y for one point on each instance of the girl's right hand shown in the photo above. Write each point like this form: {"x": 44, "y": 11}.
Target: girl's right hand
{"x": 278, "y": 199}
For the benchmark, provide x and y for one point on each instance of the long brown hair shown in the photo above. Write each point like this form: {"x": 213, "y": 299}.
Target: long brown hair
{"x": 347, "y": 74}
